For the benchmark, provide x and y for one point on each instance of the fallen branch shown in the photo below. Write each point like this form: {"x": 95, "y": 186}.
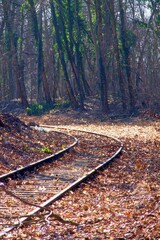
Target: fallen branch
{"x": 29, "y": 217}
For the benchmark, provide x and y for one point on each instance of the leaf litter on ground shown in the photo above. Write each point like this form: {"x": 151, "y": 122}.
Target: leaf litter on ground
{"x": 122, "y": 202}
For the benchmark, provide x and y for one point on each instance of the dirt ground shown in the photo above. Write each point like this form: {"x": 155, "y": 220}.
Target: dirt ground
{"x": 122, "y": 202}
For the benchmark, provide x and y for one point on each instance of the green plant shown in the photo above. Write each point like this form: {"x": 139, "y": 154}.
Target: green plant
{"x": 35, "y": 109}
{"x": 46, "y": 150}
{"x": 61, "y": 104}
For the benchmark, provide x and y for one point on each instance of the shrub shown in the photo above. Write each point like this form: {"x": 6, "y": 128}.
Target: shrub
{"x": 62, "y": 104}
{"x": 35, "y": 109}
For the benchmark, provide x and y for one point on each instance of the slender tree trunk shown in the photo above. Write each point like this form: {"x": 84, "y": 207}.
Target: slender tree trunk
{"x": 78, "y": 56}
{"x": 9, "y": 81}
{"x": 98, "y": 53}
{"x": 94, "y": 39}
{"x": 101, "y": 66}
{"x": 126, "y": 57}
{"x": 123, "y": 85}
{"x": 20, "y": 83}
{"x": 69, "y": 46}
{"x": 37, "y": 29}
{"x": 72, "y": 98}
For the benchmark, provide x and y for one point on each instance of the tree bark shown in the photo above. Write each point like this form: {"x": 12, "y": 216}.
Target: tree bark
{"x": 37, "y": 30}
{"x": 16, "y": 66}
{"x": 123, "y": 85}
{"x": 101, "y": 65}
{"x": 126, "y": 57}
{"x": 72, "y": 98}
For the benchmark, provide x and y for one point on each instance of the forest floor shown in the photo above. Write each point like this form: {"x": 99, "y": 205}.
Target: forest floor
{"x": 123, "y": 201}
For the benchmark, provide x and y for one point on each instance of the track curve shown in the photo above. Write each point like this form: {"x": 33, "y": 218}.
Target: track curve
{"x": 31, "y": 166}
{"x": 68, "y": 175}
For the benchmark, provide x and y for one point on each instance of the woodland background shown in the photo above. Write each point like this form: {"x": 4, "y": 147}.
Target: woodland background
{"x": 80, "y": 53}
{"x": 75, "y": 49}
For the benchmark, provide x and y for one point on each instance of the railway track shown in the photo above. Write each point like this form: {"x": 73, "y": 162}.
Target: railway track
{"x": 31, "y": 189}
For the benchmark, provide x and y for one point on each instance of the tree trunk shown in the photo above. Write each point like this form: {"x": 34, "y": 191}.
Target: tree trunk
{"x": 70, "y": 45}
{"x": 126, "y": 57}
{"x": 101, "y": 66}
{"x": 16, "y": 66}
{"x": 37, "y": 30}
{"x": 72, "y": 98}
{"x": 123, "y": 85}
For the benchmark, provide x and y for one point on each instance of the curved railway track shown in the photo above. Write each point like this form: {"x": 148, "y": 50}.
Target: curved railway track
{"x": 39, "y": 184}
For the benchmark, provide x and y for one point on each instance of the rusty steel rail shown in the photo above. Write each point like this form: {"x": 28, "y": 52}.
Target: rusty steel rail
{"x": 83, "y": 131}
{"x": 73, "y": 185}
{"x": 31, "y": 166}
